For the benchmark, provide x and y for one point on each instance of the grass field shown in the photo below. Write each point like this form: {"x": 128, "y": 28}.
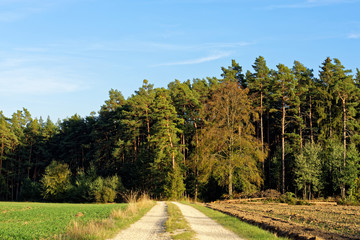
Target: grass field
{"x": 44, "y": 220}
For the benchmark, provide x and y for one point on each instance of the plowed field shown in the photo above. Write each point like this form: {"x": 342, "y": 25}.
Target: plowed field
{"x": 298, "y": 221}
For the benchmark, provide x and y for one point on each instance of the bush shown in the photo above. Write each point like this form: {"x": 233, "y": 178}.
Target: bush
{"x": 81, "y": 191}
{"x": 104, "y": 190}
{"x": 288, "y": 198}
{"x": 56, "y": 181}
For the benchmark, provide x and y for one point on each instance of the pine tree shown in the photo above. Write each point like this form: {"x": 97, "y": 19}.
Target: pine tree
{"x": 347, "y": 93}
{"x": 8, "y": 139}
{"x": 259, "y": 83}
{"x": 283, "y": 91}
{"x": 305, "y": 93}
{"x": 165, "y": 139}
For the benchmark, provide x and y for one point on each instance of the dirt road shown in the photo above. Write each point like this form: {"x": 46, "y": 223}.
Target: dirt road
{"x": 151, "y": 226}
{"x": 205, "y": 227}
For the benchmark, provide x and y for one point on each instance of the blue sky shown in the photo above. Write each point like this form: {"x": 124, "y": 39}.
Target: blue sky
{"x": 61, "y": 57}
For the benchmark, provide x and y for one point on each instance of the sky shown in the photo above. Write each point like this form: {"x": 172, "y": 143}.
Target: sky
{"x": 61, "y": 57}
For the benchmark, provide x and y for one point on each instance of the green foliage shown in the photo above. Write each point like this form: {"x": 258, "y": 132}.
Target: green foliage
{"x": 81, "y": 191}
{"x": 332, "y": 166}
{"x": 308, "y": 169}
{"x": 288, "y": 198}
{"x": 227, "y": 144}
{"x": 30, "y": 190}
{"x": 4, "y": 191}
{"x": 210, "y": 135}
{"x": 175, "y": 187}
{"x": 56, "y": 181}
{"x": 104, "y": 190}
{"x": 352, "y": 170}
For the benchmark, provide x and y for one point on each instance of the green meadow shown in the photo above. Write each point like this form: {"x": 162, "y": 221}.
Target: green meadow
{"x": 27, "y": 220}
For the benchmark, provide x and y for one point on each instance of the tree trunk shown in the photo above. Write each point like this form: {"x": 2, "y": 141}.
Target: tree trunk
{"x": 344, "y": 147}
{"x": 2, "y": 153}
{"x": 268, "y": 140}
{"x": 283, "y": 147}
{"x": 300, "y": 130}
{"x": 28, "y": 168}
{"x": 311, "y": 126}
{"x": 171, "y": 143}
{"x": 262, "y": 130}
{"x": 230, "y": 183}
{"x": 196, "y": 161}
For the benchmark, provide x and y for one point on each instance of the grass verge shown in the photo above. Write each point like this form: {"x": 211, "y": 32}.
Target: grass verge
{"x": 242, "y": 229}
{"x": 176, "y": 224}
{"x": 107, "y": 228}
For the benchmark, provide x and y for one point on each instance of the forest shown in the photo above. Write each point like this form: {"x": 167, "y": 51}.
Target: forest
{"x": 287, "y": 129}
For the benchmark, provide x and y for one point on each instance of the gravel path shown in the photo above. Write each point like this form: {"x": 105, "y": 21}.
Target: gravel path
{"x": 151, "y": 226}
{"x": 205, "y": 228}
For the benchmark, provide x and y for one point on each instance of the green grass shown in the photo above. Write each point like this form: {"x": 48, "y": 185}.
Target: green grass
{"x": 176, "y": 224}
{"x": 242, "y": 229}
{"x": 44, "y": 220}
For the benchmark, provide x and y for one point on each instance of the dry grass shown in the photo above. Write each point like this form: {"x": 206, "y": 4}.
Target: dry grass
{"x": 138, "y": 205}
{"x": 135, "y": 203}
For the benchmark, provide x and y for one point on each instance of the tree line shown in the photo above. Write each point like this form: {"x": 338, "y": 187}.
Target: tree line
{"x": 244, "y": 132}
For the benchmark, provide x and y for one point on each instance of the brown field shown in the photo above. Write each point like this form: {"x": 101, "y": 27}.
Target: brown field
{"x": 316, "y": 221}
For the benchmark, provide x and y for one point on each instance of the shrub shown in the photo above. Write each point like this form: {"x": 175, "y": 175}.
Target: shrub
{"x": 56, "y": 181}
{"x": 104, "y": 190}
{"x": 288, "y": 198}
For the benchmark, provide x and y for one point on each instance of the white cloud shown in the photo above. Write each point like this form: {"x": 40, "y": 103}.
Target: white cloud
{"x": 196, "y": 60}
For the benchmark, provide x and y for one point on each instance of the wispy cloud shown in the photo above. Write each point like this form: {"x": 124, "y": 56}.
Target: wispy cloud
{"x": 18, "y": 14}
{"x": 15, "y": 10}
{"x": 196, "y": 60}
{"x": 311, "y": 4}
{"x": 36, "y": 81}
{"x": 37, "y": 75}
{"x": 354, "y": 36}
{"x": 159, "y": 46}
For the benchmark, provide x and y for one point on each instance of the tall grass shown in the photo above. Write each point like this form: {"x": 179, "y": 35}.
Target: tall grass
{"x": 138, "y": 205}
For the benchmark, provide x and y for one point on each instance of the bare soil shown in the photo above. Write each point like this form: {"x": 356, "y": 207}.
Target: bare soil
{"x": 297, "y": 221}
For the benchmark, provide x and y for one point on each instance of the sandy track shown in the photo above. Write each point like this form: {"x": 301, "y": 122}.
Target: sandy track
{"x": 205, "y": 228}
{"x": 151, "y": 226}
